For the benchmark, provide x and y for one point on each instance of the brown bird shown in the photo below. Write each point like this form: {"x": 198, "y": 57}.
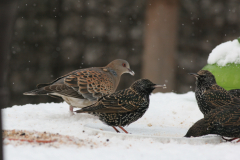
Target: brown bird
{"x": 224, "y": 121}
{"x": 83, "y": 87}
{"x": 123, "y": 107}
{"x": 209, "y": 95}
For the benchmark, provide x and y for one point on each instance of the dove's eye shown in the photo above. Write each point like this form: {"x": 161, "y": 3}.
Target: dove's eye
{"x": 124, "y": 64}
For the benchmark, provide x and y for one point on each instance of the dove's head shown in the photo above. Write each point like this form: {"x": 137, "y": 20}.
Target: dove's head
{"x": 120, "y": 66}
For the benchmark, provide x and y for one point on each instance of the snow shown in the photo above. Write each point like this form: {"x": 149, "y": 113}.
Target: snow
{"x": 227, "y": 52}
{"x": 166, "y": 109}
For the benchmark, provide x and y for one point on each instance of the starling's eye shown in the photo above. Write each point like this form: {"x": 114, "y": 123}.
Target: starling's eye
{"x": 124, "y": 64}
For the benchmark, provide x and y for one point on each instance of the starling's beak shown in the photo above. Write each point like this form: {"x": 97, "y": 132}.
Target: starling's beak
{"x": 194, "y": 74}
{"x": 159, "y": 86}
{"x": 131, "y": 72}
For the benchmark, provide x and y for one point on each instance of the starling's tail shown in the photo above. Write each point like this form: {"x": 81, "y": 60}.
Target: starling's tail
{"x": 36, "y": 92}
{"x": 83, "y": 110}
{"x": 80, "y": 111}
{"x": 90, "y": 108}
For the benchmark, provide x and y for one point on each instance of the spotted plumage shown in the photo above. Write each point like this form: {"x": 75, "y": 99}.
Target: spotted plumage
{"x": 83, "y": 87}
{"x": 209, "y": 95}
{"x": 235, "y": 92}
{"x": 123, "y": 107}
{"x": 224, "y": 121}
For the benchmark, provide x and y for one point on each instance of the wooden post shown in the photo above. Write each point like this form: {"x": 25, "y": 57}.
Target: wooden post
{"x": 7, "y": 12}
{"x": 160, "y": 42}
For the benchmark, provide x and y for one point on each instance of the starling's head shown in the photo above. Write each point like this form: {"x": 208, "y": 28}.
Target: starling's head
{"x": 120, "y": 66}
{"x": 198, "y": 129}
{"x": 145, "y": 86}
{"x": 204, "y": 77}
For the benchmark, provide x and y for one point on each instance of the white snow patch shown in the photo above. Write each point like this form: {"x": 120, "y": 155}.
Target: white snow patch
{"x": 166, "y": 109}
{"x": 228, "y": 52}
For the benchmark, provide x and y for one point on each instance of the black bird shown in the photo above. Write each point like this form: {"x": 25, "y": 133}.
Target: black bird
{"x": 209, "y": 95}
{"x": 235, "y": 92}
{"x": 123, "y": 107}
{"x": 224, "y": 121}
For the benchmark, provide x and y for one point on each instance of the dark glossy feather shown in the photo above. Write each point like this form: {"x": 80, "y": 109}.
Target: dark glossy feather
{"x": 123, "y": 107}
{"x": 209, "y": 95}
{"x": 224, "y": 121}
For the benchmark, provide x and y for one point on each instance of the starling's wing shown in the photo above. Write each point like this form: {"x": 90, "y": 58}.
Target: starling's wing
{"x": 213, "y": 116}
{"x": 123, "y": 101}
{"x": 232, "y": 116}
{"x": 118, "y": 102}
{"x": 224, "y": 116}
{"x": 217, "y": 96}
{"x": 235, "y": 92}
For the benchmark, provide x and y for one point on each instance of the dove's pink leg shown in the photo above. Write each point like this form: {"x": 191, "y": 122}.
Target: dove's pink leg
{"x": 71, "y": 108}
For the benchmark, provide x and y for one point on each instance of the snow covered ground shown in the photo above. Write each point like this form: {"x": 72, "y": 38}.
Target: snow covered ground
{"x": 166, "y": 109}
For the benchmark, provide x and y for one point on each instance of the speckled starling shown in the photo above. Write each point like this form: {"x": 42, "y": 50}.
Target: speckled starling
{"x": 235, "y": 92}
{"x": 83, "y": 87}
{"x": 123, "y": 107}
{"x": 224, "y": 121}
{"x": 209, "y": 95}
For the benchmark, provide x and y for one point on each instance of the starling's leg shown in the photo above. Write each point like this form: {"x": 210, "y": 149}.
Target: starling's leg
{"x": 123, "y": 129}
{"x": 229, "y": 140}
{"x": 115, "y": 129}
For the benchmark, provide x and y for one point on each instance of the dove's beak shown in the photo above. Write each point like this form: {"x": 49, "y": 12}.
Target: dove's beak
{"x": 131, "y": 72}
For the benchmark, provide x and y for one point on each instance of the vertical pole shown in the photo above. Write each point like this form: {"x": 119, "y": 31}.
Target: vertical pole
{"x": 160, "y": 42}
{"x": 7, "y": 12}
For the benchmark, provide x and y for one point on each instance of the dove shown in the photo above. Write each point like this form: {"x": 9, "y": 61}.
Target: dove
{"x": 83, "y": 87}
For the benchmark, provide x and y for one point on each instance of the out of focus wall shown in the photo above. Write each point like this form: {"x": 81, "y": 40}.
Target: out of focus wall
{"x": 203, "y": 25}
{"x": 52, "y": 38}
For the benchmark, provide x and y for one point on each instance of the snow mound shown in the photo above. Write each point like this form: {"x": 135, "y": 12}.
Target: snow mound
{"x": 228, "y": 52}
{"x": 163, "y": 134}
{"x": 166, "y": 109}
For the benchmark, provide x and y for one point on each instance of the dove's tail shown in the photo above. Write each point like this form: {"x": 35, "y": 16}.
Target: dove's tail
{"x": 36, "y": 92}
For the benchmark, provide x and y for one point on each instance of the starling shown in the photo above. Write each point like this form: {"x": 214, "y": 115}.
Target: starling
{"x": 235, "y": 92}
{"x": 209, "y": 95}
{"x": 123, "y": 107}
{"x": 83, "y": 87}
{"x": 223, "y": 121}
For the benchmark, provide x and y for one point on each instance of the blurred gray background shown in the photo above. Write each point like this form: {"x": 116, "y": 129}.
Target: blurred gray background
{"x": 163, "y": 40}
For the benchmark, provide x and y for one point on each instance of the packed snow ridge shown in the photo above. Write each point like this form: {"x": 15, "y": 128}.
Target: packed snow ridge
{"x": 178, "y": 111}
{"x": 225, "y": 53}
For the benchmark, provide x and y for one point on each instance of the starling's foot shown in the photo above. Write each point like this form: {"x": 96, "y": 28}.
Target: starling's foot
{"x": 229, "y": 140}
{"x": 123, "y": 129}
{"x": 115, "y": 129}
